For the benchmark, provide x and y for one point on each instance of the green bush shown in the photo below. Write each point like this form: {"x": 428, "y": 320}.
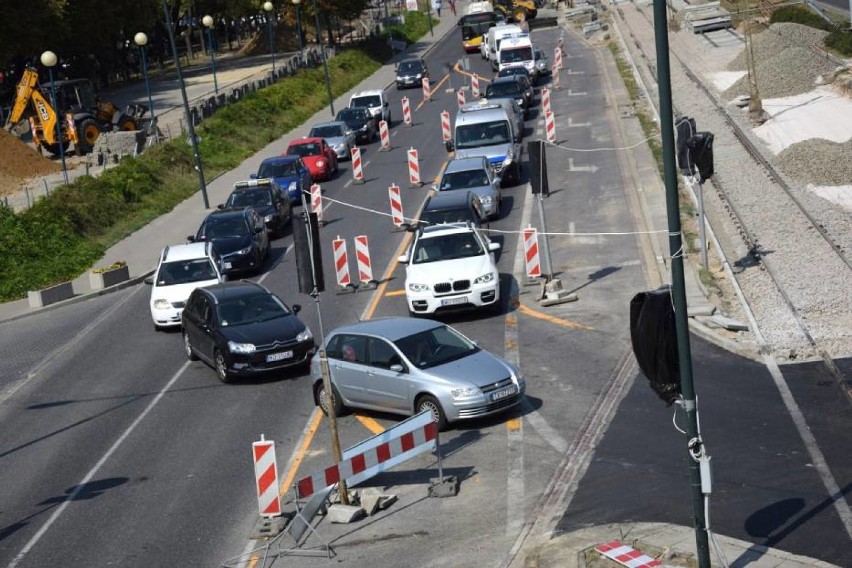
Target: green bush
{"x": 416, "y": 26}
{"x": 841, "y": 42}
{"x": 63, "y": 234}
{"x": 800, "y": 15}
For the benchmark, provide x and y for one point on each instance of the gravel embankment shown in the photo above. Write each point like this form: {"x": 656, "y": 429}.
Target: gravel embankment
{"x": 815, "y": 279}
{"x": 821, "y": 162}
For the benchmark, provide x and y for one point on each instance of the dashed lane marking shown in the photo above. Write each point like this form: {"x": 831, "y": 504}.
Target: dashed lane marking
{"x": 552, "y": 319}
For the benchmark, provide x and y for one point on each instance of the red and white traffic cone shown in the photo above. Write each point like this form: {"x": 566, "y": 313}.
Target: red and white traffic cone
{"x": 396, "y": 205}
{"x": 384, "y": 135}
{"x": 460, "y": 98}
{"x": 550, "y": 127}
{"x": 406, "y": 112}
{"x": 554, "y": 71}
{"x": 266, "y": 478}
{"x": 357, "y": 168}
{"x": 316, "y": 201}
{"x": 474, "y": 85}
{"x": 545, "y": 100}
{"x": 531, "y": 257}
{"x": 362, "y": 254}
{"x": 341, "y": 262}
{"x": 413, "y": 168}
{"x": 445, "y": 126}
{"x": 427, "y": 90}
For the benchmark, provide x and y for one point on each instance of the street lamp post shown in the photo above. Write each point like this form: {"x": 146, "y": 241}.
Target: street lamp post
{"x": 208, "y": 23}
{"x": 324, "y": 59}
{"x": 49, "y": 59}
{"x": 141, "y": 40}
{"x": 268, "y": 7}
{"x": 297, "y": 3}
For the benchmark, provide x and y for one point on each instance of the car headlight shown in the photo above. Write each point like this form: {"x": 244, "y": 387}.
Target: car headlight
{"x": 520, "y": 101}
{"x": 484, "y": 278}
{"x": 306, "y": 335}
{"x": 244, "y": 348}
{"x": 340, "y": 147}
{"x": 419, "y": 76}
{"x": 418, "y": 287}
{"x": 293, "y": 187}
{"x": 364, "y": 128}
{"x": 242, "y": 252}
{"x": 486, "y": 200}
{"x": 161, "y": 304}
{"x": 320, "y": 163}
{"x": 269, "y": 218}
{"x": 507, "y": 161}
{"x": 465, "y": 392}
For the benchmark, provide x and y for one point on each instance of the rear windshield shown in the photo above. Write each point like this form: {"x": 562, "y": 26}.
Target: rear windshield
{"x": 366, "y": 102}
{"x": 507, "y": 88}
{"x": 185, "y": 271}
{"x": 464, "y": 180}
{"x": 483, "y": 134}
{"x": 250, "y": 198}
{"x": 303, "y": 150}
{"x": 327, "y": 131}
{"x": 272, "y": 170}
{"x": 516, "y": 55}
{"x": 351, "y": 114}
{"x": 456, "y": 215}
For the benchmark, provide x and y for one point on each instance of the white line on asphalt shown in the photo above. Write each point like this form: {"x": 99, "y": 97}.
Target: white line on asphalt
{"x": 53, "y": 355}
{"x": 280, "y": 260}
{"x": 80, "y": 486}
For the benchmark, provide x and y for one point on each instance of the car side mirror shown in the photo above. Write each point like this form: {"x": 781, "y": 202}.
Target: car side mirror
{"x": 258, "y": 230}
{"x": 492, "y": 246}
{"x": 296, "y": 308}
{"x": 252, "y": 176}
{"x": 449, "y": 145}
{"x": 397, "y": 368}
{"x": 386, "y": 104}
{"x": 434, "y": 187}
{"x": 190, "y": 239}
{"x": 220, "y": 206}
{"x": 149, "y": 281}
{"x": 402, "y": 259}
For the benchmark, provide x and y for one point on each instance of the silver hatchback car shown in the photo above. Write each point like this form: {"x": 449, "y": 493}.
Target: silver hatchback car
{"x": 476, "y": 175}
{"x": 407, "y": 365}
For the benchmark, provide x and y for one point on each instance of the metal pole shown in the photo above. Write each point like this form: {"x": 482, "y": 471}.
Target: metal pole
{"x": 271, "y": 40}
{"x": 192, "y": 138}
{"x": 429, "y": 15}
{"x": 324, "y": 59}
{"x": 545, "y": 243}
{"x": 147, "y": 82}
{"x": 212, "y": 58}
{"x": 58, "y": 122}
{"x": 299, "y": 27}
{"x": 701, "y": 230}
{"x": 678, "y": 285}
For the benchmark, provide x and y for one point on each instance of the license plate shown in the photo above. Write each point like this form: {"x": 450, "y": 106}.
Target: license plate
{"x": 454, "y": 301}
{"x": 228, "y": 266}
{"x": 503, "y": 393}
{"x": 279, "y": 356}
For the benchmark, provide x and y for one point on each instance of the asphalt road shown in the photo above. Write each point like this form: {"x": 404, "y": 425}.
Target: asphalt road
{"x": 116, "y": 451}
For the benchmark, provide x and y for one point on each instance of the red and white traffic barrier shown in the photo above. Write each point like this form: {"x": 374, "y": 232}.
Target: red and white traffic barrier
{"x": 409, "y": 439}
{"x": 341, "y": 262}
{"x": 531, "y": 257}
{"x": 396, "y": 205}
{"x": 384, "y": 135}
{"x": 545, "y": 100}
{"x": 557, "y": 55}
{"x": 460, "y": 97}
{"x": 266, "y": 477}
{"x": 406, "y": 111}
{"x": 362, "y": 254}
{"x": 427, "y": 89}
{"x": 413, "y": 167}
{"x": 550, "y": 127}
{"x": 316, "y": 201}
{"x": 357, "y": 168}
{"x": 474, "y": 85}
{"x": 554, "y": 80}
{"x": 445, "y": 126}
{"x": 626, "y": 555}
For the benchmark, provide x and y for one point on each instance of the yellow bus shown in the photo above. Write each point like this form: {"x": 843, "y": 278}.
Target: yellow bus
{"x": 473, "y": 27}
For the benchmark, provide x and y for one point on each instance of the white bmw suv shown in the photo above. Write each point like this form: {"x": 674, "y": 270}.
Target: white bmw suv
{"x": 182, "y": 269}
{"x": 450, "y": 266}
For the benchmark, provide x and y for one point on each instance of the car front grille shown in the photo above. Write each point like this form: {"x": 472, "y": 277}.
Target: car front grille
{"x": 496, "y": 386}
{"x": 178, "y": 304}
{"x": 457, "y": 286}
{"x": 276, "y": 346}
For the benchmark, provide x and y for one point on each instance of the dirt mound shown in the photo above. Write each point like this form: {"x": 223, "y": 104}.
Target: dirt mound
{"x": 19, "y": 163}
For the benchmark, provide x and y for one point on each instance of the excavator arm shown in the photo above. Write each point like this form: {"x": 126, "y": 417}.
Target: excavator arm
{"x": 23, "y": 94}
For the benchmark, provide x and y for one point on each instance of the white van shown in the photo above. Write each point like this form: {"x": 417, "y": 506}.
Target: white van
{"x": 517, "y": 51}
{"x": 492, "y": 40}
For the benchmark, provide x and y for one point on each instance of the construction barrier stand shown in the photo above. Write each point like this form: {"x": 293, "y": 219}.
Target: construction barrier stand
{"x": 396, "y": 205}
{"x": 341, "y": 262}
{"x": 266, "y": 478}
{"x": 357, "y": 170}
{"x": 531, "y": 257}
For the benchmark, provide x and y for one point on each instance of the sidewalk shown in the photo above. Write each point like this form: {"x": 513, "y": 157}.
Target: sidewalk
{"x": 563, "y": 551}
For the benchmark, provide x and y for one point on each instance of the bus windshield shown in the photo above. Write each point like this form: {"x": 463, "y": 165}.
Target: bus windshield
{"x": 476, "y": 25}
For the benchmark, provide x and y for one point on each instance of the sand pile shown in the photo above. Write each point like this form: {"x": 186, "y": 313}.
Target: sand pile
{"x": 19, "y": 162}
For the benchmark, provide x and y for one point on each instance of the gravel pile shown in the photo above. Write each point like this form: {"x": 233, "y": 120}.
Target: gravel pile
{"x": 784, "y": 63}
{"x": 818, "y": 161}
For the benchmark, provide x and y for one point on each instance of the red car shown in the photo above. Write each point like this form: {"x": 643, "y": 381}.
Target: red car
{"x": 316, "y": 154}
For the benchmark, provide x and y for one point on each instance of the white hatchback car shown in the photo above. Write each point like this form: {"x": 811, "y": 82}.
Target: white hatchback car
{"x": 182, "y": 269}
{"x": 449, "y": 267}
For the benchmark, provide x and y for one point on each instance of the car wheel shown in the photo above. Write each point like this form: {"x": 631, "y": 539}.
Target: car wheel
{"x": 322, "y": 397}
{"x": 221, "y": 367}
{"x": 430, "y": 403}
{"x": 187, "y": 347}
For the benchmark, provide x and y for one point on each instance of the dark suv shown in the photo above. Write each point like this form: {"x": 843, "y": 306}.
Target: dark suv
{"x": 516, "y": 87}
{"x": 241, "y": 328}
{"x": 267, "y": 198}
{"x": 359, "y": 121}
{"x": 239, "y": 236}
{"x": 411, "y": 72}
{"x": 454, "y": 207}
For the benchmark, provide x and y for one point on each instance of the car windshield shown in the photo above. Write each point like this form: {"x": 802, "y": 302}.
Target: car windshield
{"x": 224, "y": 227}
{"x": 504, "y": 89}
{"x": 327, "y": 131}
{"x": 482, "y": 134}
{"x": 539, "y": 55}
{"x": 351, "y": 115}
{"x": 516, "y": 55}
{"x": 435, "y": 346}
{"x": 508, "y": 71}
{"x": 304, "y": 150}
{"x": 252, "y": 198}
{"x": 446, "y": 247}
{"x": 277, "y": 170}
{"x": 464, "y": 180}
{"x": 366, "y": 102}
{"x": 410, "y": 67}
{"x": 249, "y": 309}
{"x": 185, "y": 271}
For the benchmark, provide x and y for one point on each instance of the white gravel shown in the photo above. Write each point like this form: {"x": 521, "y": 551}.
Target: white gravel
{"x": 817, "y": 281}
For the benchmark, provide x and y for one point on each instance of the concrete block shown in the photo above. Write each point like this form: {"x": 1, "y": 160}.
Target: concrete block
{"x": 700, "y": 310}
{"x": 345, "y": 513}
{"x": 386, "y": 501}
{"x": 727, "y": 323}
{"x": 370, "y": 498}
{"x": 101, "y": 280}
{"x": 266, "y": 528}
{"x": 447, "y": 487}
{"x": 47, "y": 296}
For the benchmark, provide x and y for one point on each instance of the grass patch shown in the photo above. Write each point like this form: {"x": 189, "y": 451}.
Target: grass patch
{"x": 63, "y": 234}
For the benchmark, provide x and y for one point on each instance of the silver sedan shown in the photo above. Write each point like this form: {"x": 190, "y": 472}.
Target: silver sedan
{"x": 337, "y": 136}
{"x": 407, "y": 365}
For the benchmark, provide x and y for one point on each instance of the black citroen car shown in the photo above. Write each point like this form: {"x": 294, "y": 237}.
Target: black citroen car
{"x": 267, "y": 198}
{"x": 359, "y": 121}
{"x": 240, "y": 328}
{"x": 239, "y": 237}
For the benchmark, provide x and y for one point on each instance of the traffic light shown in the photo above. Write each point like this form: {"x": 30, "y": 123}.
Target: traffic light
{"x": 654, "y": 338}
{"x": 306, "y": 243}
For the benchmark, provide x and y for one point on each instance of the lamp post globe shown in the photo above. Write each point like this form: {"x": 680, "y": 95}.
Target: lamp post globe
{"x": 208, "y": 23}
{"x": 268, "y": 7}
{"x": 297, "y": 3}
{"x": 140, "y": 39}
{"x": 49, "y": 60}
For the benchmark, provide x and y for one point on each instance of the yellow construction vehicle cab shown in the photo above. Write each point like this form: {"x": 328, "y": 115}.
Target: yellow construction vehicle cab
{"x": 516, "y": 10}
{"x": 82, "y": 116}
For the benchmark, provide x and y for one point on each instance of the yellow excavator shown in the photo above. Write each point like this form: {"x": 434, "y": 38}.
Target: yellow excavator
{"x": 82, "y": 116}
{"x": 516, "y": 10}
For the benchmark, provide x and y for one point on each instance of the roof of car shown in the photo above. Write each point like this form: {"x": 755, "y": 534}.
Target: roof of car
{"x": 176, "y": 253}
{"x": 305, "y": 140}
{"x": 232, "y": 289}
{"x": 280, "y": 159}
{"x": 430, "y": 230}
{"x": 448, "y": 199}
{"x": 507, "y": 79}
{"x": 391, "y": 328}
{"x": 329, "y": 123}
{"x": 487, "y": 114}
{"x": 230, "y": 212}
{"x": 412, "y": 60}
{"x": 368, "y": 93}
{"x": 464, "y": 164}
